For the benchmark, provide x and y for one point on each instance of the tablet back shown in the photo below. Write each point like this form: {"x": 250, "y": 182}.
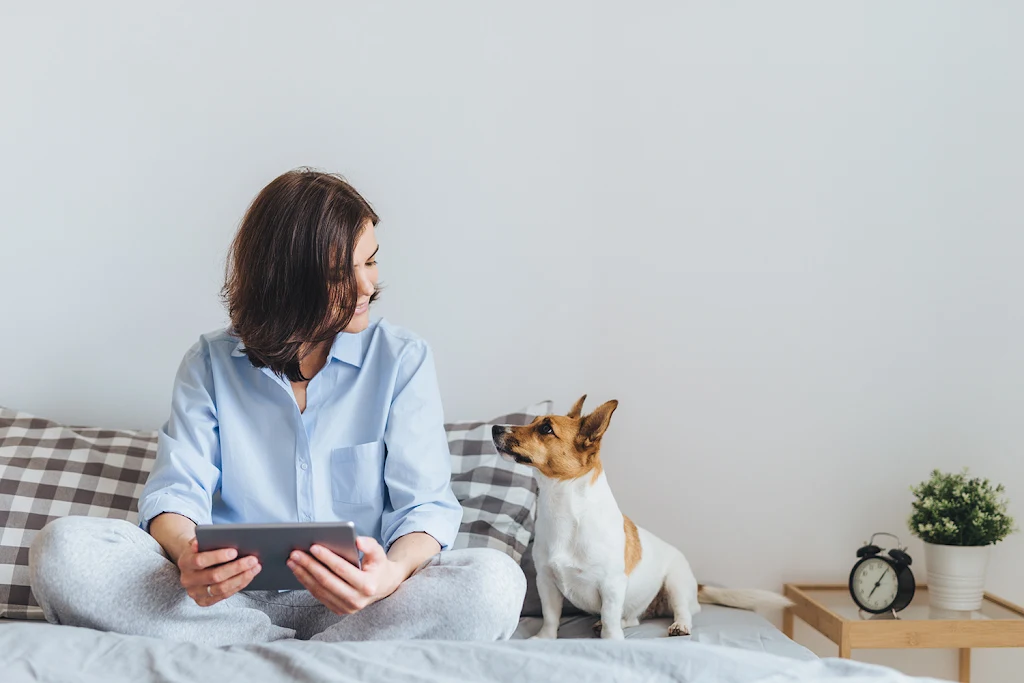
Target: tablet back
{"x": 273, "y": 543}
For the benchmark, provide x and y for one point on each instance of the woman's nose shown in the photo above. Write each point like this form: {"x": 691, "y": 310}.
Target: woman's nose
{"x": 367, "y": 283}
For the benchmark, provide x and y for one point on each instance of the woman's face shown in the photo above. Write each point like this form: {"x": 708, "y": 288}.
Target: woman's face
{"x": 365, "y": 267}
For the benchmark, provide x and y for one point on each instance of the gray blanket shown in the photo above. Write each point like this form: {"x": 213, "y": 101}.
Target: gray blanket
{"x": 45, "y": 652}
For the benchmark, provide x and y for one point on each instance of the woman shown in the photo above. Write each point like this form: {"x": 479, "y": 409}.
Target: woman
{"x": 302, "y": 410}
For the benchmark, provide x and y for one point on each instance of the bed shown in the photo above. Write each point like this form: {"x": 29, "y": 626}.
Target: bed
{"x": 49, "y": 470}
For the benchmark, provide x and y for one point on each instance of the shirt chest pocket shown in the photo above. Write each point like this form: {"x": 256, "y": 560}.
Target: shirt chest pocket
{"x": 357, "y": 473}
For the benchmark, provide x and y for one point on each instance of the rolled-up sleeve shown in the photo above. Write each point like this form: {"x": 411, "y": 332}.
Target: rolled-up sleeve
{"x": 417, "y": 470}
{"x": 186, "y": 473}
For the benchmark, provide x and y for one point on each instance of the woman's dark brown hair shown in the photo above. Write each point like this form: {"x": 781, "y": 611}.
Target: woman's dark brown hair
{"x": 289, "y": 283}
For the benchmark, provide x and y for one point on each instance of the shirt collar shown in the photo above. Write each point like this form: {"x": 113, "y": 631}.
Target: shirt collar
{"x": 348, "y": 348}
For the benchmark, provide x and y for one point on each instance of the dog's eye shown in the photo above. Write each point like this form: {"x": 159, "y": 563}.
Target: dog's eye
{"x": 545, "y": 429}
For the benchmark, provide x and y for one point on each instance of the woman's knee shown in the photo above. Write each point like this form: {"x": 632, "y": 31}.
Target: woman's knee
{"x": 497, "y": 586}
{"x": 58, "y": 542}
{"x": 63, "y": 551}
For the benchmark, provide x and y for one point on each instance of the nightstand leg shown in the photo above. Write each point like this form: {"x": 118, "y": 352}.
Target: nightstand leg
{"x": 965, "y": 665}
{"x": 787, "y": 623}
{"x": 844, "y": 643}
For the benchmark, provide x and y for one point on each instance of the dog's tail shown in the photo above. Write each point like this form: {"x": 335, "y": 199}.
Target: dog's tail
{"x": 741, "y": 598}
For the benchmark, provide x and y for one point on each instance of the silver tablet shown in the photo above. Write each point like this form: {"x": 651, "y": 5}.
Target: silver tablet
{"x": 273, "y": 543}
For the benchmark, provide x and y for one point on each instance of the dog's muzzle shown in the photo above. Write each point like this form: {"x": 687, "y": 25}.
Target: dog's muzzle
{"x": 499, "y": 435}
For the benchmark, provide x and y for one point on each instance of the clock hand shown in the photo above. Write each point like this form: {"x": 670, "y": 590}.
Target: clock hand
{"x": 877, "y": 584}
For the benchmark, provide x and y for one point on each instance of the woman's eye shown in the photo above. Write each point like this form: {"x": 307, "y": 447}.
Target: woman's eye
{"x": 371, "y": 263}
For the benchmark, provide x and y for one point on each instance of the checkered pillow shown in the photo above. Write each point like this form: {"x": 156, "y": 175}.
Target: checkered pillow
{"x": 498, "y": 496}
{"x": 48, "y": 471}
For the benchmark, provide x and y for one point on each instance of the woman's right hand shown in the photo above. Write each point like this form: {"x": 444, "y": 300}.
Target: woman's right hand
{"x": 208, "y": 579}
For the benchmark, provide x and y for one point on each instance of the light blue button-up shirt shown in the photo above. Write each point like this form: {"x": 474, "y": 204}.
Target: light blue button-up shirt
{"x": 370, "y": 446}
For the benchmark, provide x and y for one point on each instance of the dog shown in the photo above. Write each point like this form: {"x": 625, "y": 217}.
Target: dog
{"x": 586, "y": 550}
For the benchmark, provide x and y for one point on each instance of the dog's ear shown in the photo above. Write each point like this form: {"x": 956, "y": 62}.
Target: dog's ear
{"x": 577, "y": 407}
{"x": 594, "y": 425}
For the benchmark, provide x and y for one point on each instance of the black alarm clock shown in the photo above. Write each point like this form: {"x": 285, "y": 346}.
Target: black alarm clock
{"x": 882, "y": 583}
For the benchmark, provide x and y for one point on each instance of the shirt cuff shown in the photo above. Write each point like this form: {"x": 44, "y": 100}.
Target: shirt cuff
{"x": 157, "y": 505}
{"x": 440, "y": 524}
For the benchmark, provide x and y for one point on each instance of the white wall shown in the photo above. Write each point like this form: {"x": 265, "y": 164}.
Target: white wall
{"x": 785, "y": 235}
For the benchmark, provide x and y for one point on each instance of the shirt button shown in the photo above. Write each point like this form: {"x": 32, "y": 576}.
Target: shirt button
{"x": 304, "y": 466}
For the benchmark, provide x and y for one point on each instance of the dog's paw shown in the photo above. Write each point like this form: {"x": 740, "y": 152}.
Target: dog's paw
{"x": 544, "y": 635}
{"x": 677, "y": 629}
{"x": 626, "y": 623}
{"x": 613, "y": 634}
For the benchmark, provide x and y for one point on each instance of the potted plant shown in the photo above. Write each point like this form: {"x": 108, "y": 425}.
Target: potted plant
{"x": 959, "y": 518}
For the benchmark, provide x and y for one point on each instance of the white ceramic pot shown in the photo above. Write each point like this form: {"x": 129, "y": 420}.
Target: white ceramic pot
{"x": 956, "y": 575}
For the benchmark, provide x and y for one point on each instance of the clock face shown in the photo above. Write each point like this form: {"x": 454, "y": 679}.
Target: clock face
{"x": 875, "y": 584}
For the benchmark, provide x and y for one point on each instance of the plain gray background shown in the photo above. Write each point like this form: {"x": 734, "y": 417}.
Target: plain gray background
{"x": 786, "y": 236}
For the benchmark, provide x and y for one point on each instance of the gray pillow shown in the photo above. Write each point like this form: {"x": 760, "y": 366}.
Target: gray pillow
{"x": 498, "y": 497}
{"x": 48, "y": 470}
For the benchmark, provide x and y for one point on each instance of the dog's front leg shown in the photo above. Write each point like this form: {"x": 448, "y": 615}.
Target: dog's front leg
{"x": 613, "y": 597}
{"x": 550, "y": 603}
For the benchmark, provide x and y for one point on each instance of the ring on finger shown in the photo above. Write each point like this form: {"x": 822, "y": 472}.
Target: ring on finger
{"x": 209, "y": 592}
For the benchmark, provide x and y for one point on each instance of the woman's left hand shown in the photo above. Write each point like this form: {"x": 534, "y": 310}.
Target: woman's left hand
{"x": 339, "y": 584}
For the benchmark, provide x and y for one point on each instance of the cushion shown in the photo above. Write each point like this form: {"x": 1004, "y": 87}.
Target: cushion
{"x": 48, "y": 470}
{"x": 498, "y": 496}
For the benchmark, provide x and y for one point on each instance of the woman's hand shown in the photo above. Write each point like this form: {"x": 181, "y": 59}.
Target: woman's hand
{"x": 340, "y": 585}
{"x": 206, "y": 582}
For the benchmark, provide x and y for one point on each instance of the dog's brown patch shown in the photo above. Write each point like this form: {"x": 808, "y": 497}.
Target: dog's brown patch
{"x": 559, "y": 446}
{"x": 633, "y": 549}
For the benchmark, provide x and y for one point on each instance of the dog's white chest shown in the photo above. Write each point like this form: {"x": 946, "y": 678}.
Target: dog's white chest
{"x": 578, "y": 582}
{"x": 580, "y": 542}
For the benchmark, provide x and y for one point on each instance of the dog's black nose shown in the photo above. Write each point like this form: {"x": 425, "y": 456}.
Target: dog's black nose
{"x": 497, "y": 430}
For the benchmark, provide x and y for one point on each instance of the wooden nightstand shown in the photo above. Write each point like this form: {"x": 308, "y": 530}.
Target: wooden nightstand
{"x": 830, "y": 610}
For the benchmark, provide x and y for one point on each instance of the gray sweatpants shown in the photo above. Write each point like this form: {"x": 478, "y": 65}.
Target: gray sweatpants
{"x": 111, "y": 575}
